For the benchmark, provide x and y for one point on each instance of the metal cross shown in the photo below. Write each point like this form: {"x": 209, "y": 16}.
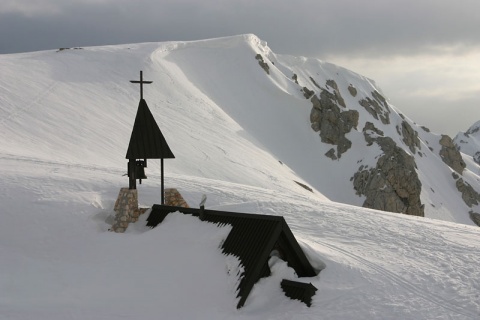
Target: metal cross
{"x": 141, "y": 83}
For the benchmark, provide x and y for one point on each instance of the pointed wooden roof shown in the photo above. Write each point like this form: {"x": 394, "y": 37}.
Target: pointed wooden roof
{"x": 147, "y": 141}
{"x": 252, "y": 239}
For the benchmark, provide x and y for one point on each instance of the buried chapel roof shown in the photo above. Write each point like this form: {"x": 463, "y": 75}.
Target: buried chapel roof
{"x": 252, "y": 239}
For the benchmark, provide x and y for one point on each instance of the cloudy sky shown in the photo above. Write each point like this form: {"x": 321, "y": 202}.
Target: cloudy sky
{"x": 424, "y": 54}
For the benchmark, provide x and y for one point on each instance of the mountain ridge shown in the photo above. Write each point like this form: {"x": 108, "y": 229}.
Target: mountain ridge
{"x": 221, "y": 83}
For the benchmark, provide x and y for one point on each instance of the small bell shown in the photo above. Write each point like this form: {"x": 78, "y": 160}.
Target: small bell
{"x": 140, "y": 170}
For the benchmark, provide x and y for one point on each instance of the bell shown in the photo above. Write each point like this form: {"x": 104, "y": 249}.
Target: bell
{"x": 140, "y": 170}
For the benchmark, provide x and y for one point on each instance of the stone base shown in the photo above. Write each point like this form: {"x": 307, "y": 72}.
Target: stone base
{"x": 126, "y": 209}
{"x": 174, "y": 198}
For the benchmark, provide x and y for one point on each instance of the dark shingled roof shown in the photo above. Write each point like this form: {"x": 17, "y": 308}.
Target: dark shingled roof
{"x": 252, "y": 239}
{"x": 147, "y": 141}
{"x": 299, "y": 291}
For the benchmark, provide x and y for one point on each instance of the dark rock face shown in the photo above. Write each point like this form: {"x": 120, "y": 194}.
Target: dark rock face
{"x": 425, "y": 129}
{"x": 469, "y": 195}
{"x": 475, "y": 216}
{"x": 315, "y": 83}
{"x": 393, "y": 185}
{"x": 450, "y": 155}
{"x": 307, "y": 93}
{"x": 410, "y": 136}
{"x": 262, "y": 63}
{"x": 333, "y": 124}
{"x": 472, "y": 131}
{"x": 367, "y": 133}
{"x": 352, "y": 90}
{"x": 476, "y": 157}
{"x": 336, "y": 92}
{"x": 295, "y": 78}
{"x": 378, "y": 107}
{"x": 331, "y": 154}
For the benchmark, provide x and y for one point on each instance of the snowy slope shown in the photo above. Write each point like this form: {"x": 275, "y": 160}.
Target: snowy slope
{"x": 216, "y": 89}
{"x": 240, "y": 136}
{"x": 58, "y": 261}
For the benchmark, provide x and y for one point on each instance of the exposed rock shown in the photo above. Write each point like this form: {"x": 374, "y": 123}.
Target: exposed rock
{"x": 336, "y": 92}
{"x": 450, "y": 155}
{"x": 352, "y": 90}
{"x": 398, "y": 130}
{"x": 410, "y": 136}
{"x": 262, "y": 63}
{"x": 375, "y": 108}
{"x": 380, "y": 98}
{"x": 61, "y": 49}
{"x": 476, "y": 157}
{"x": 425, "y": 129}
{"x": 472, "y": 130}
{"x": 295, "y": 78}
{"x": 469, "y": 195}
{"x": 315, "y": 83}
{"x": 368, "y": 131}
{"x": 304, "y": 186}
{"x": 331, "y": 154}
{"x": 393, "y": 185}
{"x": 475, "y": 217}
{"x": 307, "y": 93}
{"x": 333, "y": 124}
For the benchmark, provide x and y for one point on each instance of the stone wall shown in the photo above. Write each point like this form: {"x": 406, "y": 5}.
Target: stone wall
{"x": 174, "y": 198}
{"x": 126, "y": 209}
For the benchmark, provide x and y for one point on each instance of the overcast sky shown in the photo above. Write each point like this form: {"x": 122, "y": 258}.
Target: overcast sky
{"x": 424, "y": 54}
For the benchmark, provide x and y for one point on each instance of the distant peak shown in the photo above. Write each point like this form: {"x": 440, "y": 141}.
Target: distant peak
{"x": 475, "y": 128}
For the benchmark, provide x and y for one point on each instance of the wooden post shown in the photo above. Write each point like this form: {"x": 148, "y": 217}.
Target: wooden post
{"x": 162, "y": 182}
{"x": 132, "y": 182}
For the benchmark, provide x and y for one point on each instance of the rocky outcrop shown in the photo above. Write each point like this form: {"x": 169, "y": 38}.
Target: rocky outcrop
{"x": 474, "y": 129}
{"x": 315, "y": 83}
{"x": 370, "y": 132}
{"x": 304, "y": 186}
{"x": 469, "y": 195}
{"x": 307, "y": 93}
{"x": 262, "y": 63}
{"x": 352, "y": 90}
{"x": 336, "y": 92}
{"x": 410, "y": 136}
{"x": 327, "y": 118}
{"x": 393, "y": 185}
{"x": 295, "y": 78}
{"x": 476, "y": 157}
{"x": 475, "y": 216}
{"x": 425, "y": 129}
{"x": 450, "y": 155}
{"x": 331, "y": 154}
{"x": 377, "y": 107}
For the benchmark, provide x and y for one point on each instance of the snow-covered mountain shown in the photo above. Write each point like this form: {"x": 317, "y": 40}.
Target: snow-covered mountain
{"x": 468, "y": 143}
{"x": 256, "y": 132}
{"x": 314, "y": 122}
